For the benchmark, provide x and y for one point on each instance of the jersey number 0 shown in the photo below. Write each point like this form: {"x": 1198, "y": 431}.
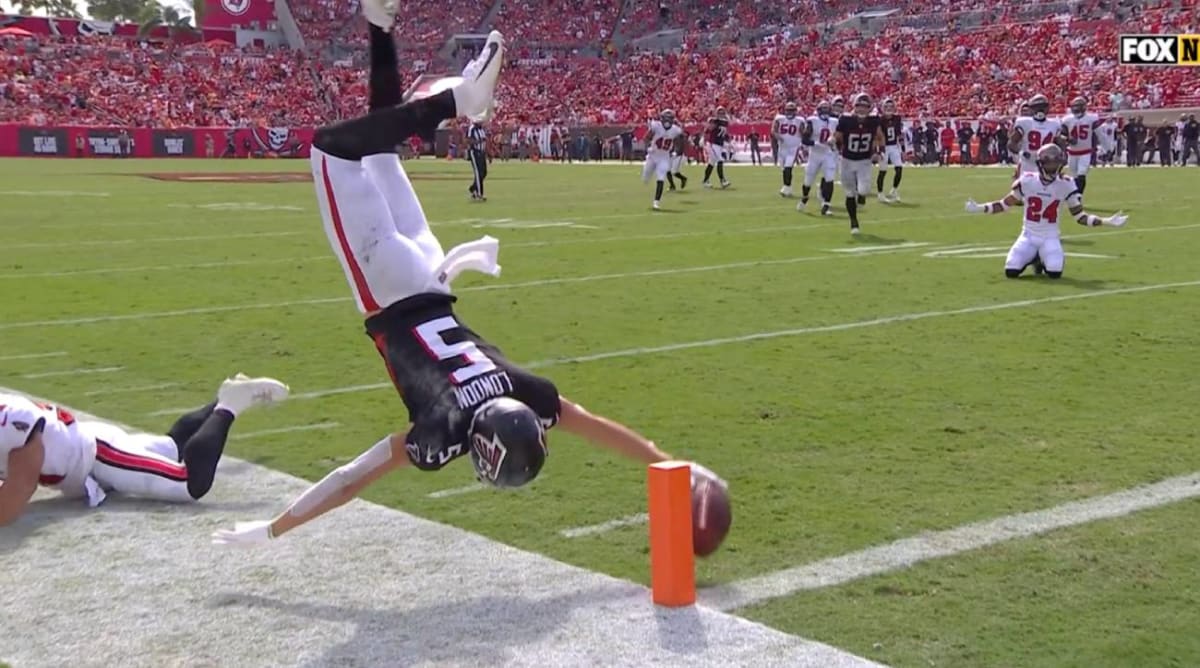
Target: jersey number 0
{"x": 474, "y": 362}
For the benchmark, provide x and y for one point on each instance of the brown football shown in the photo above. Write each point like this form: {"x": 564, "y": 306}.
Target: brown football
{"x": 711, "y": 517}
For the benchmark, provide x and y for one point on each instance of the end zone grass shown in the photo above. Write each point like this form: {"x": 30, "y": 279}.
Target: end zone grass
{"x": 833, "y": 439}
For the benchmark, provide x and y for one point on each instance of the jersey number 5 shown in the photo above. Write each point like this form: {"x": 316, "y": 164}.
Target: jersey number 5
{"x": 474, "y": 362}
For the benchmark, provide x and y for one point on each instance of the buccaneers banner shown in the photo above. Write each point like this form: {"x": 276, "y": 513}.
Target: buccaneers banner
{"x": 96, "y": 142}
{"x": 40, "y": 25}
{"x": 239, "y": 13}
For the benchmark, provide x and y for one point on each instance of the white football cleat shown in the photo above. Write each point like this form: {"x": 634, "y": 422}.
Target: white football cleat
{"x": 475, "y": 97}
{"x": 855, "y": 231}
{"x": 881, "y": 197}
{"x": 894, "y": 196}
{"x": 785, "y": 191}
{"x": 381, "y": 13}
{"x": 655, "y": 205}
{"x": 242, "y": 392}
{"x": 725, "y": 184}
{"x": 800, "y": 205}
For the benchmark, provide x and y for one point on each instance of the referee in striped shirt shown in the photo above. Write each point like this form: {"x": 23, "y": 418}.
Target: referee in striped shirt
{"x": 477, "y": 154}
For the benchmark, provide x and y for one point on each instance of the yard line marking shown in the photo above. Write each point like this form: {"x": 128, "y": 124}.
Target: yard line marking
{"x": 604, "y": 527}
{"x": 882, "y": 248}
{"x": 53, "y": 193}
{"x": 31, "y": 356}
{"x": 456, "y": 491}
{"x": 296, "y": 606}
{"x": 285, "y": 430}
{"x": 128, "y": 390}
{"x": 164, "y": 267}
{"x": 858, "y": 324}
{"x": 168, "y": 314}
{"x": 907, "y": 552}
{"x": 73, "y": 372}
{"x": 152, "y": 240}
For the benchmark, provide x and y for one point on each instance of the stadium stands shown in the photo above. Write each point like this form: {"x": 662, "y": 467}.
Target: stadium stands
{"x": 965, "y": 72}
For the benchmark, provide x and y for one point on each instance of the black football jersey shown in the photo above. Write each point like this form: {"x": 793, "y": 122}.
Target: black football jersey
{"x": 893, "y": 132}
{"x": 858, "y": 136}
{"x": 718, "y": 132}
{"x": 444, "y": 371}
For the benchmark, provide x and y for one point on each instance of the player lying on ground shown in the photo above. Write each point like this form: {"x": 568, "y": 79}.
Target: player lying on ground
{"x": 463, "y": 396}
{"x": 1043, "y": 193}
{"x": 44, "y": 445}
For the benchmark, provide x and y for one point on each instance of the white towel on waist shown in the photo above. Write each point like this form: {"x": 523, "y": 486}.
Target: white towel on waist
{"x": 480, "y": 255}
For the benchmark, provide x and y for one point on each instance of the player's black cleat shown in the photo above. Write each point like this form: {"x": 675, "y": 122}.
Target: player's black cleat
{"x": 682, "y": 181}
{"x": 862, "y": 200}
{"x": 1038, "y": 267}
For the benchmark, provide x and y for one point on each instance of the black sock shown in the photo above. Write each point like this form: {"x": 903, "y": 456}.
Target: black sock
{"x": 852, "y": 210}
{"x": 658, "y": 191}
{"x": 804, "y": 190}
{"x": 682, "y": 179}
{"x": 383, "y": 129}
{"x": 826, "y": 191}
{"x": 896, "y": 178}
{"x": 721, "y": 171}
{"x": 203, "y": 450}
{"x": 708, "y": 172}
{"x": 384, "y": 88}
{"x": 670, "y": 180}
{"x": 879, "y": 180}
{"x": 1081, "y": 183}
{"x": 787, "y": 176}
{"x": 189, "y": 424}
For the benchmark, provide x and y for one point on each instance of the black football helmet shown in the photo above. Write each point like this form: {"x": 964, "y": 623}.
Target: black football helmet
{"x": 1050, "y": 161}
{"x": 889, "y": 107}
{"x": 722, "y": 114}
{"x": 1039, "y": 106}
{"x": 508, "y": 443}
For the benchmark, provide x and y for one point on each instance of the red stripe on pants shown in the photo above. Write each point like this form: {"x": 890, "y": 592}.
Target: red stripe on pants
{"x": 107, "y": 454}
{"x": 360, "y": 282}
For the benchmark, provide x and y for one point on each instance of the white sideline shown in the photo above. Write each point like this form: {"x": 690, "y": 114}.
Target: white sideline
{"x": 936, "y": 544}
{"x": 73, "y": 372}
{"x": 456, "y": 491}
{"x": 372, "y": 586}
{"x": 758, "y": 336}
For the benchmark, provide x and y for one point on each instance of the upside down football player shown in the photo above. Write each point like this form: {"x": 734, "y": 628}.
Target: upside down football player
{"x": 1042, "y": 194}
{"x": 46, "y": 445}
{"x": 463, "y": 396}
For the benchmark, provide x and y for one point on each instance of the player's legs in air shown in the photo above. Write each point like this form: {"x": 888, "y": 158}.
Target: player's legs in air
{"x": 181, "y": 465}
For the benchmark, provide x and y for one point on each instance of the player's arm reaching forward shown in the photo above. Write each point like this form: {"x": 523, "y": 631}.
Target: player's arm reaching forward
{"x": 21, "y": 443}
{"x": 348, "y": 481}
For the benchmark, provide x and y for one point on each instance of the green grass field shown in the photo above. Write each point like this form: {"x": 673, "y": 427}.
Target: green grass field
{"x": 832, "y": 382}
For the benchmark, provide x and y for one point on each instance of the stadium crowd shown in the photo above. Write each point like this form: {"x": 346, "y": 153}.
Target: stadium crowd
{"x": 969, "y": 72}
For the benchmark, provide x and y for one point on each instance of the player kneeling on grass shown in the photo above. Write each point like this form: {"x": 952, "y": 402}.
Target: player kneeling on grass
{"x": 44, "y": 445}
{"x": 463, "y": 396}
{"x": 1043, "y": 193}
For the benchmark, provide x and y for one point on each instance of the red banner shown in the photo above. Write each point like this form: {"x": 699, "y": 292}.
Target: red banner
{"x": 239, "y": 14}
{"x": 99, "y": 142}
{"x": 40, "y": 25}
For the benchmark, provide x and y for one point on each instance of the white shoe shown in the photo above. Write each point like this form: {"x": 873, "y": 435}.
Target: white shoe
{"x": 655, "y": 205}
{"x": 708, "y": 185}
{"x": 381, "y": 13}
{"x": 475, "y": 97}
{"x": 725, "y": 184}
{"x": 855, "y": 231}
{"x": 894, "y": 196}
{"x": 242, "y": 392}
{"x": 882, "y": 197}
{"x": 785, "y": 191}
{"x": 800, "y": 205}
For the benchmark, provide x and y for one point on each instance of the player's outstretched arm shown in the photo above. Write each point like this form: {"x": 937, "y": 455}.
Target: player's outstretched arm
{"x": 608, "y": 433}
{"x": 999, "y": 206}
{"x": 334, "y": 490}
{"x": 21, "y": 478}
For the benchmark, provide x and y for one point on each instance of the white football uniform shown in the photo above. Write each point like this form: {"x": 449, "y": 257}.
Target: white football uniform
{"x": 1108, "y": 136}
{"x": 1081, "y": 130}
{"x": 822, "y": 156}
{"x": 1046, "y": 205}
{"x": 789, "y": 131}
{"x": 659, "y": 142}
{"x": 85, "y": 459}
{"x": 379, "y": 233}
{"x": 1034, "y": 135}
